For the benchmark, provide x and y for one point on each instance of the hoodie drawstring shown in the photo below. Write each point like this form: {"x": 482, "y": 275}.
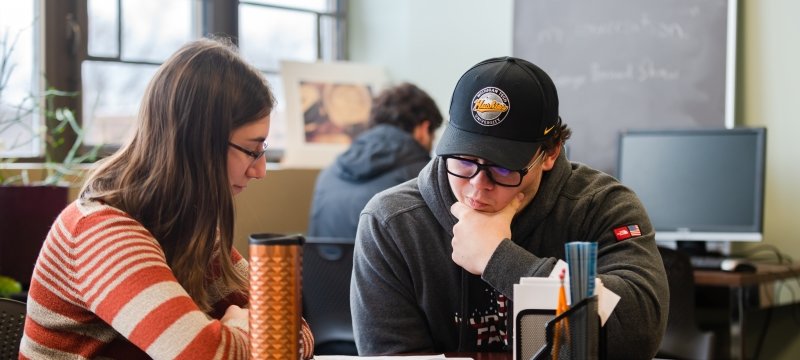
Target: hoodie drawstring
{"x": 464, "y": 328}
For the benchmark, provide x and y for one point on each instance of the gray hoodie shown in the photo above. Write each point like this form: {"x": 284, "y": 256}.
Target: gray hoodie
{"x": 378, "y": 159}
{"x": 407, "y": 295}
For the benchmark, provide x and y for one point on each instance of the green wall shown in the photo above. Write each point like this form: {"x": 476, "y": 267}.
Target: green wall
{"x": 768, "y": 90}
{"x": 768, "y": 94}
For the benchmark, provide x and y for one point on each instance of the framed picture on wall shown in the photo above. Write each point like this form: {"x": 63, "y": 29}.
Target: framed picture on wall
{"x": 327, "y": 106}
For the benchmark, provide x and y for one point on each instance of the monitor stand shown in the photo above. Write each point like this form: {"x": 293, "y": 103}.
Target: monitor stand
{"x": 704, "y": 248}
{"x": 693, "y": 248}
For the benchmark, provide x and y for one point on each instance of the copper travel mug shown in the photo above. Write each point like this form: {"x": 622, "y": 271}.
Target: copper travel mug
{"x": 275, "y": 284}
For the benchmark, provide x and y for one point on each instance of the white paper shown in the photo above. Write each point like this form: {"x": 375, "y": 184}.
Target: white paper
{"x": 560, "y": 265}
{"x": 606, "y": 302}
{"x": 542, "y": 293}
{"x": 534, "y": 293}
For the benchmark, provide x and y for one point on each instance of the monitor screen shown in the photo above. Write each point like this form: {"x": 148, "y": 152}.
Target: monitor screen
{"x": 700, "y": 184}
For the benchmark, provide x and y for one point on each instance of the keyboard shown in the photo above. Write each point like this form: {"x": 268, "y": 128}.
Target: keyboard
{"x": 722, "y": 263}
{"x": 707, "y": 262}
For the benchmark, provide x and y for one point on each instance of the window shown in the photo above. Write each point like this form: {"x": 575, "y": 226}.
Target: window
{"x": 19, "y": 80}
{"x": 317, "y": 34}
{"x": 116, "y": 46}
{"x": 127, "y": 40}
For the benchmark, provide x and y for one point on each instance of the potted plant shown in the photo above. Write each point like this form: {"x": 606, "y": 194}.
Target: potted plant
{"x": 32, "y": 195}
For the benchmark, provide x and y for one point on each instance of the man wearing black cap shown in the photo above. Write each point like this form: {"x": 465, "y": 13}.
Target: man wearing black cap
{"x": 437, "y": 257}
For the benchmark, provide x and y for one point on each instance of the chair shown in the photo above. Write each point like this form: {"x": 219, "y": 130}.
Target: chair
{"x": 12, "y": 323}
{"x": 327, "y": 266}
{"x": 683, "y": 338}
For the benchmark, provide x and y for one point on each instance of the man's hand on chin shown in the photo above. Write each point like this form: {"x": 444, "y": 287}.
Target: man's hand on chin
{"x": 477, "y": 234}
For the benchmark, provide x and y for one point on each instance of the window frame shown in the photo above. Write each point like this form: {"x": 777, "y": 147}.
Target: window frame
{"x": 65, "y": 40}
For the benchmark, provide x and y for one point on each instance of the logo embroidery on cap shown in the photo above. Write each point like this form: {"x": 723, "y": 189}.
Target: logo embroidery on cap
{"x": 548, "y": 129}
{"x": 490, "y": 106}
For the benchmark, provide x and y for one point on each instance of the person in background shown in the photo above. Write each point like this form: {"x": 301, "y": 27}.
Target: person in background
{"x": 142, "y": 264}
{"x": 436, "y": 259}
{"x": 396, "y": 147}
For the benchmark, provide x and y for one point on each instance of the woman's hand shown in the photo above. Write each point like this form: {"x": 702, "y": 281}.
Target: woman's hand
{"x": 236, "y": 316}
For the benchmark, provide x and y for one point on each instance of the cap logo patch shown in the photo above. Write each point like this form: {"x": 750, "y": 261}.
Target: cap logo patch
{"x": 490, "y": 106}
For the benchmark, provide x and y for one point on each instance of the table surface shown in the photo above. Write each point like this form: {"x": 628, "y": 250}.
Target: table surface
{"x": 482, "y": 356}
{"x": 764, "y": 273}
{"x": 765, "y": 276}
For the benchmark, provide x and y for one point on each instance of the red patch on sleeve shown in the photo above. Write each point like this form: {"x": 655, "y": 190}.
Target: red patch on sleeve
{"x": 627, "y": 232}
{"x": 622, "y": 233}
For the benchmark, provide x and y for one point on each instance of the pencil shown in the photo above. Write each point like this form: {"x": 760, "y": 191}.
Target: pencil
{"x": 560, "y": 309}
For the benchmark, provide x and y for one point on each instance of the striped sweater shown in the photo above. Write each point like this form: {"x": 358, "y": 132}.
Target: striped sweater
{"x": 102, "y": 288}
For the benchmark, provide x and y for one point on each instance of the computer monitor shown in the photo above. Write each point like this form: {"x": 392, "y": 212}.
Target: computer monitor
{"x": 698, "y": 184}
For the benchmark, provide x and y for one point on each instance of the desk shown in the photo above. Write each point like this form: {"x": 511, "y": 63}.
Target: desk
{"x": 482, "y": 356}
{"x": 738, "y": 283}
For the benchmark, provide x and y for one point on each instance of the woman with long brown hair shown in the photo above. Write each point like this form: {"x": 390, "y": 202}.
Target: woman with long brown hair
{"x": 142, "y": 264}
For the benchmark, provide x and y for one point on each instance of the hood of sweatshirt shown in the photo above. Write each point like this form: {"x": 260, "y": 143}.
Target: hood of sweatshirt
{"x": 377, "y": 150}
{"x": 482, "y": 305}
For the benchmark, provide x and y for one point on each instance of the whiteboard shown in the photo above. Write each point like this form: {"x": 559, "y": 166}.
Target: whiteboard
{"x": 631, "y": 64}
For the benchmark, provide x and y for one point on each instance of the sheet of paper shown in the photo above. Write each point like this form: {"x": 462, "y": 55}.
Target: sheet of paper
{"x": 542, "y": 293}
{"x": 560, "y": 265}
{"x": 606, "y": 302}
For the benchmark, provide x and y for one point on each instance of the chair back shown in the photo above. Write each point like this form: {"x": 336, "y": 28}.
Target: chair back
{"x": 683, "y": 338}
{"x": 327, "y": 266}
{"x": 12, "y": 324}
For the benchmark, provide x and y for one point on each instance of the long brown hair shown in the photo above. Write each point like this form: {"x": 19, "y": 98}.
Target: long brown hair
{"x": 172, "y": 175}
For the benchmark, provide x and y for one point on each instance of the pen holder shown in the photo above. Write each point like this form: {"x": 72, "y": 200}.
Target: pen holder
{"x": 275, "y": 296}
{"x": 530, "y": 332}
{"x": 575, "y": 334}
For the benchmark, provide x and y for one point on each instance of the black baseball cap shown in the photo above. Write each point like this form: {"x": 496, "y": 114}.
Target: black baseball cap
{"x": 502, "y": 110}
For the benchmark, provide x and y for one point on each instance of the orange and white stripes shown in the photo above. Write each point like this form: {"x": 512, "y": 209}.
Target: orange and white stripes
{"x": 100, "y": 275}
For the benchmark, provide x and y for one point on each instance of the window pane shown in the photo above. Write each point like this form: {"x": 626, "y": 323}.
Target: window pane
{"x": 329, "y": 26}
{"x": 315, "y": 5}
{"x": 153, "y": 29}
{"x": 103, "y": 28}
{"x": 19, "y": 80}
{"x": 267, "y": 36}
{"x": 111, "y": 96}
{"x": 277, "y": 125}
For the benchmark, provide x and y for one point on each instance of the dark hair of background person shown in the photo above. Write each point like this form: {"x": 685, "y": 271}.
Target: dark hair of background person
{"x": 172, "y": 175}
{"x": 404, "y": 106}
{"x": 559, "y": 138}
